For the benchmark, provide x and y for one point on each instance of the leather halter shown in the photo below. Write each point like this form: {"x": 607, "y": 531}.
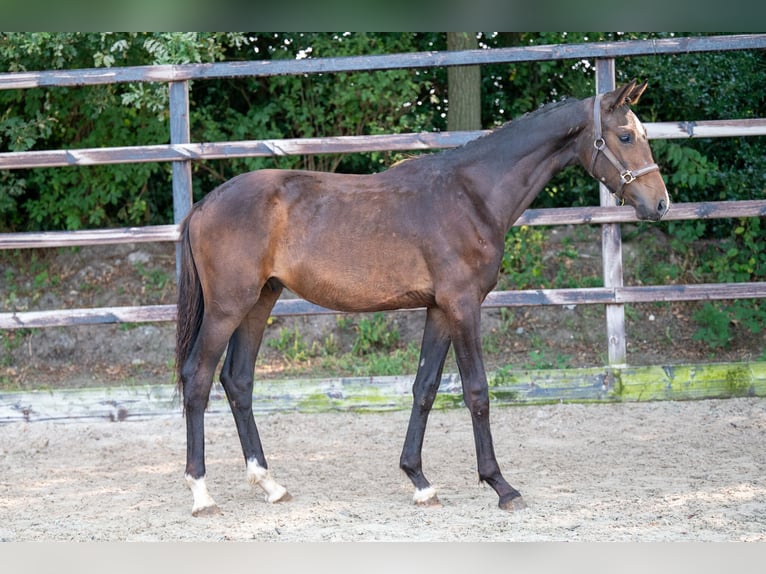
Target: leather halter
{"x": 627, "y": 176}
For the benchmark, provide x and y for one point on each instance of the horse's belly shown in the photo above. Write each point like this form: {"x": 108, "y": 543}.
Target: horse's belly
{"x": 361, "y": 287}
{"x": 352, "y": 301}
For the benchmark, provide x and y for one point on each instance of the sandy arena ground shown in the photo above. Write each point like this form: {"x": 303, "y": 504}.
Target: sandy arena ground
{"x": 638, "y": 472}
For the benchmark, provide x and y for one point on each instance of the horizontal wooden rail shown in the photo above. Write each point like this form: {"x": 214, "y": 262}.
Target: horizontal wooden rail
{"x": 533, "y": 217}
{"x": 385, "y": 393}
{"x": 626, "y": 214}
{"x": 706, "y": 129}
{"x": 518, "y": 298}
{"x": 44, "y": 239}
{"x": 258, "y": 68}
{"x": 339, "y": 144}
{"x": 224, "y": 150}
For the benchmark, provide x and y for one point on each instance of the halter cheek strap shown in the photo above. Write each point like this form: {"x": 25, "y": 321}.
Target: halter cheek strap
{"x": 627, "y": 176}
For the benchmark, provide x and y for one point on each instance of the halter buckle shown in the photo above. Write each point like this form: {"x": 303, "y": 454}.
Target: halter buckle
{"x": 627, "y": 177}
{"x": 599, "y": 144}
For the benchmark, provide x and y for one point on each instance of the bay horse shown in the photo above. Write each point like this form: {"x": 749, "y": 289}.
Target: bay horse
{"x": 427, "y": 232}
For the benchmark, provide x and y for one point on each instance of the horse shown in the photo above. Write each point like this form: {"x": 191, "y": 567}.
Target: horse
{"x": 427, "y": 232}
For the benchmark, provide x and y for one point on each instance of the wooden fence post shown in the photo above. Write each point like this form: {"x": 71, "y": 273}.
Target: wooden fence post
{"x": 611, "y": 242}
{"x": 180, "y": 134}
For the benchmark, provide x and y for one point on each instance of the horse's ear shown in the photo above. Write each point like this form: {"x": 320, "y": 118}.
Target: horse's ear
{"x": 636, "y": 93}
{"x": 629, "y": 94}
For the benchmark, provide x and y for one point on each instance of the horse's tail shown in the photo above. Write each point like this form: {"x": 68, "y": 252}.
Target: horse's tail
{"x": 191, "y": 305}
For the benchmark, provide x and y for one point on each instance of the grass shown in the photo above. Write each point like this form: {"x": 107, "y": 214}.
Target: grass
{"x": 376, "y": 350}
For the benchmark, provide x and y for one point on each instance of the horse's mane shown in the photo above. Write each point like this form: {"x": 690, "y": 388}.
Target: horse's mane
{"x": 510, "y": 125}
{"x": 518, "y": 123}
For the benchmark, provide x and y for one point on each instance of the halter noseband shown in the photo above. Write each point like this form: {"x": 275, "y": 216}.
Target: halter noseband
{"x": 599, "y": 145}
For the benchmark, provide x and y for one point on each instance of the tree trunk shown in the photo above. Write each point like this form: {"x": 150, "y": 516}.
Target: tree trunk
{"x": 463, "y": 86}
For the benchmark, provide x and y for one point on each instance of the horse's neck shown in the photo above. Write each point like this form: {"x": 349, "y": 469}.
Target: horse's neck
{"x": 510, "y": 167}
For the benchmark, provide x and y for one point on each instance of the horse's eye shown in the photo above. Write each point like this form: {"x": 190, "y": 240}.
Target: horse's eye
{"x": 626, "y": 138}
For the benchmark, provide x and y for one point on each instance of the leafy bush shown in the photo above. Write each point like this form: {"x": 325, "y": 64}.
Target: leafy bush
{"x": 714, "y": 327}
{"x": 87, "y": 117}
{"x": 375, "y": 333}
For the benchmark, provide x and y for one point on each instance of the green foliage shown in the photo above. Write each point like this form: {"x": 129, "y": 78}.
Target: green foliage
{"x": 88, "y": 117}
{"x": 394, "y": 362}
{"x": 688, "y": 170}
{"x": 738, "y": 257}
{"x": 741, "y": 256}
{"x": 376, "y": 332}
{"x": 541, "y": 359}
{"x": 374, "y": 350}
{"x": 522, "y": 266}
{"x": 714, "y": 326}
{"x": 316, "y": 105}
{"x": 156, "y": 279}
{"x": 693, "y": 87}
{"x": 291, "y": 345}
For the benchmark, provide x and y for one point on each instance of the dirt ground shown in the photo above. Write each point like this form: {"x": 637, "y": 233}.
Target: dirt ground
{"x": 693, "y": 471}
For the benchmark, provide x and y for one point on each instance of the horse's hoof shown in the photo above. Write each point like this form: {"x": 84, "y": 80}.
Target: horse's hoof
{"x": 207, "y": 511}
{"x": 286, "y": 497}
{"x": 514, "y": 504}
{"x": 432, "y": 502}
{"x": 426, "y": 497}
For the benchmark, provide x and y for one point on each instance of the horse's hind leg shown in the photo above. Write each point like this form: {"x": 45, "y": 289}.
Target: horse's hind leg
{"x": 237, "y": 380}
{"x": 436, "y": 342}
{"x": 197, "y": 376}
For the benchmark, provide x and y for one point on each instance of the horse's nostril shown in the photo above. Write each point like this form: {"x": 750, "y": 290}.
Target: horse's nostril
{"x": 662, "y": 206}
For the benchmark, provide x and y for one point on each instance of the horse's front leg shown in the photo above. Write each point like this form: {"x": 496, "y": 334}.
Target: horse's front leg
{"x": 433, "y": 351}
{"x": 464, "y": 319}
{"x": 237, "y": 380}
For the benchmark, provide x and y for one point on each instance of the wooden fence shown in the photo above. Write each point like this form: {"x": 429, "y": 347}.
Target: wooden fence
{"x": 182, "y": 152}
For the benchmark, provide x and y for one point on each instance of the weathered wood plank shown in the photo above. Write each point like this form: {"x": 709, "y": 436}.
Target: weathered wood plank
{"x": 338, "y": 144}
{"x": 706, "y": 129}
{"x": 115, "y": 404}
{"x": 93, "y": 316}
{"x": 681, "y": 382}
{"x": 611, "y": 242}
{"x": 548, "y": 216}
{"x": 699, "y": 292}
{"x": 520, "y": 298}
{"x": 223, "y": 150}
{"x": 43, "y": 239}
{"x": 716, "y": 209}
{"x": 256, "y": 68}
{"x": 626, "y": 214}
{"x": 180, "y": 135}
{"x": 506, "y": 387}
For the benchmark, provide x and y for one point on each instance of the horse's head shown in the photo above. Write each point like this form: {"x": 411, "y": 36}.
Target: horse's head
{"x": 619, "y": 156}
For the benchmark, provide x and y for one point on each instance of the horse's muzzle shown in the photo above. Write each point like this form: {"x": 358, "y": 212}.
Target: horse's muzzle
{"x": 649, "y": 212}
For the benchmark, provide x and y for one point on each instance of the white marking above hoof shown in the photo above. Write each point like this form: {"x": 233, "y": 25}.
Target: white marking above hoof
{"x": 259, "y": 476}
{"x": 425, "y": 497}
{"x": 204, "y": 505}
